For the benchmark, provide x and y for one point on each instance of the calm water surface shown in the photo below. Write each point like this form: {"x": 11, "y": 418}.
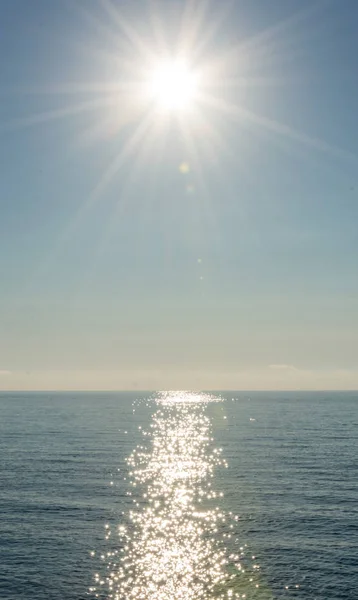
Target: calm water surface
{"x": 179, "y": 496}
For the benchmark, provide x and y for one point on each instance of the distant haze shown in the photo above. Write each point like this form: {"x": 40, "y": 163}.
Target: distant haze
{"x": 261, "y": 379}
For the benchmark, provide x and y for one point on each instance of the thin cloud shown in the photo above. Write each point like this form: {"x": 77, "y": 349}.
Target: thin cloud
{"x": 283, "y": 367}
{"x": 4, "y": 372}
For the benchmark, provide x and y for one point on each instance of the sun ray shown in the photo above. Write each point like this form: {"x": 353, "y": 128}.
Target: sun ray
{"x": 271, "y": 34}
{"x": 239, "y": 113}
{"x": 252, "y": 50}
{"x": 103, "y": 29}
{"x": 143, "y": 50}
{"x": 145, "y": 118}
{"x": 158, "y": 28}
{"x": 68, "y": 232}
{"x": 128, "y": 187}
{"x": 194, "y": 17}
{"x": 128, "y": 150}
{"x": 127, "y": 46}
{"x": 114, "y": 121}
{"x": 70, "y": 88}
{"x": 210, "y": 27}
{"x": 53, "y": 115}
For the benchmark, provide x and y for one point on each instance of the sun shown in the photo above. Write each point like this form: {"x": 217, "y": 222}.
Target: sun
{"x": 173, "y": 85}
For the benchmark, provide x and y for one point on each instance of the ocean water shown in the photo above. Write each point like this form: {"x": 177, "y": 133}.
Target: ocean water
{"x": 179, "y": 496}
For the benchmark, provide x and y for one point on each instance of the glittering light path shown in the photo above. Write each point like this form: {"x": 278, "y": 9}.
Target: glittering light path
{"x": 174, "y": 543}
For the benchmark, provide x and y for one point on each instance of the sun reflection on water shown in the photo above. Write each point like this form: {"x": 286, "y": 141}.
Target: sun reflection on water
{"x": 175, "y": 544}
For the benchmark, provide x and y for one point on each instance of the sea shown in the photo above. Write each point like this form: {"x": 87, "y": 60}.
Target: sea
{"x": 179, "y": 495}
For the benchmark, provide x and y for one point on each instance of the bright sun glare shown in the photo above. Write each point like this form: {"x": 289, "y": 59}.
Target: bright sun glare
{"x": 173, "y": 85}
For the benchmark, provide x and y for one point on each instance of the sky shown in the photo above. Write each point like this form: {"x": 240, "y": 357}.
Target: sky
{"x": 213, "y": 247}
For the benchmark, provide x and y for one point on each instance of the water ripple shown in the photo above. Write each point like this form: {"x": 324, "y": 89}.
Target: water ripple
{"x": 176, "y": 543}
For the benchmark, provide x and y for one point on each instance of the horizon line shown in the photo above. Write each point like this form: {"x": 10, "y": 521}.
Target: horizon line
{"x": 141, "y": 391}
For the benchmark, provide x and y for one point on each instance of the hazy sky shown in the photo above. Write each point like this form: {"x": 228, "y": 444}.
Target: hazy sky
{"x": 215, "y": 248}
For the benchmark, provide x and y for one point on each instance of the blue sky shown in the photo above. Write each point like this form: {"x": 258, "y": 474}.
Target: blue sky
{"x": 117, "y": 269}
